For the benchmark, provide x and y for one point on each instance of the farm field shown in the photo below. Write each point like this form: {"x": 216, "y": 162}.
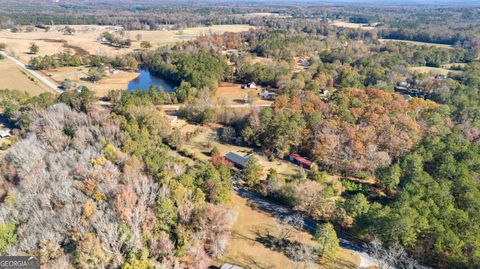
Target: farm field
{"x": 118, "y": 81}
{"x": 13, "y": 77}
{"x": 245, "y": 248}
{"x": 351, "y": 25}
{"x": 432, "y": 70}
{"x": 418, "y": 43}
{"x": 84, "y": 40}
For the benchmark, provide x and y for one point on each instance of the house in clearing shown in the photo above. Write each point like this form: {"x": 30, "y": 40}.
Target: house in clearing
{"x": 301, "y": 161}
{"x": 237, "y": 159}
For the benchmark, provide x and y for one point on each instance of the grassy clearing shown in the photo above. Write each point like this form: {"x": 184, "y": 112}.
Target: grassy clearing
{"x": 351, "y": 25}
{"x": 118, "y": 81}
{"x": 443, "y": 46}
{"x": 432, "y": 70}
{"x": 232, "y": 93}
{"x": 85, "y": 39}
{"x": 14, "y": 78}
{"x": 206, "y": 138}
{"x": 245, "y": 248}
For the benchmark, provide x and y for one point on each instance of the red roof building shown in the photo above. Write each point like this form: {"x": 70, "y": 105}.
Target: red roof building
{"x": 296, "y": 158}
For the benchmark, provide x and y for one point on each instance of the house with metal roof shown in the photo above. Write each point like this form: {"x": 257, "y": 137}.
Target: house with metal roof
{"x": 237, "y": 159}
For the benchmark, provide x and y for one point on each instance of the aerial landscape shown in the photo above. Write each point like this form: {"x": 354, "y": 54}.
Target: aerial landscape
{"x": 227, "y": 134}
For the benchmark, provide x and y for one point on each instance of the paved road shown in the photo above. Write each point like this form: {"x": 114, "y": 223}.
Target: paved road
{"x": 33, "y": 73}
{"x": 309, "y": 225}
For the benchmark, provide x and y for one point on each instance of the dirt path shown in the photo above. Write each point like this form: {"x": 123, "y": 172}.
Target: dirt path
{"x": 366, "y": 261}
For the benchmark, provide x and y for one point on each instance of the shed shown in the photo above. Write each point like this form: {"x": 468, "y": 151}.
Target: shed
{"x": 403, "y": 84}
{"x": 5, "y": 133}
{"x": 268, "y": 95}
{"x": 303, "y": 162}
{"x": 230, "y": 266}
{"x": 171, "y": 118}
{"x": 252, "y": 85}
{"x": 237, "y": 159}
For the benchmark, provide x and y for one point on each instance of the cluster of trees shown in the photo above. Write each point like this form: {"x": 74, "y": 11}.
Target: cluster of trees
{"x": 65, "y": 58}
{"x": 199, "y": 68}
{"x": 105, "y": 189}
{"x": 115, "y": 41}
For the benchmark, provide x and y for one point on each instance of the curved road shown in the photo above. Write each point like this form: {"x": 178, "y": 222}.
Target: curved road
{"x": 310, "y": 225}
{"x": 33, "y": 73}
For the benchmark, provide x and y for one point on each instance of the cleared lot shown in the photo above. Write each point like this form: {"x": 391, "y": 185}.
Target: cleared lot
{"x": 14, "y": 78}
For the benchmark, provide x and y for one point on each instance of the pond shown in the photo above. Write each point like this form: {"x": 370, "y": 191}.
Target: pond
{"x": 146, "y": 80}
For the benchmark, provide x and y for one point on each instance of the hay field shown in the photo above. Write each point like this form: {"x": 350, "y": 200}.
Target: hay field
{"x": 432, "y": 70}
{"x": 118, "y": 81}
{"x": 14, "y": 78}
{"x": 443, "y": 46}
{"x": 351, "y": 25}
{"x": 84, "y": 40}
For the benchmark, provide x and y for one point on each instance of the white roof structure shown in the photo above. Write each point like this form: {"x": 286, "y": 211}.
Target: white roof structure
{"x": 5, "y": 133}
{"x": 230, "y": 266}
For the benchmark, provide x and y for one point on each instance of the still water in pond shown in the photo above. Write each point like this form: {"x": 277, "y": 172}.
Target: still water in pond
{"x": 146, "y": 80}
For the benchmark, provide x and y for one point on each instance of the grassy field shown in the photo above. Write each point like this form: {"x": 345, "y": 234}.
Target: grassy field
{"x": 14, "y": 78}
{"x": 418, "y": 43}
{"x": 85, "y": 37}
{"x": 245, "y": 247}
{"x": 232, "y": 93}
{"x": 350, "y": 25}
{"x": 118, "y": 81}
{"x": 432, "y": 70}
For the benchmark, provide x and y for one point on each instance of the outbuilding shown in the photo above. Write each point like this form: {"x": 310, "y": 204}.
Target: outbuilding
{"x": 230, "y": 266}
{"x": 237, "y": 159}
{"x": 303, "y": 162}
{"x": 5, "y": 133}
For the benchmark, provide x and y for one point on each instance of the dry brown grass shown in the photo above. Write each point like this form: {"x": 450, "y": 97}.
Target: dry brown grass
{"x": 431, "y": 70}
{"x": 85, "y": 39}
{"x": 443, "y": 46}
{"x": 232, "y": 93}
{"x": 350, "y": 25}
{"x": 118, "y": 81}
{"x": 15, "y": 78}
{"x": 245, "y": 249}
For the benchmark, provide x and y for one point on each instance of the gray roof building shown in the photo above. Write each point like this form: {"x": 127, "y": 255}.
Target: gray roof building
{"x": 237, "y": 159}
